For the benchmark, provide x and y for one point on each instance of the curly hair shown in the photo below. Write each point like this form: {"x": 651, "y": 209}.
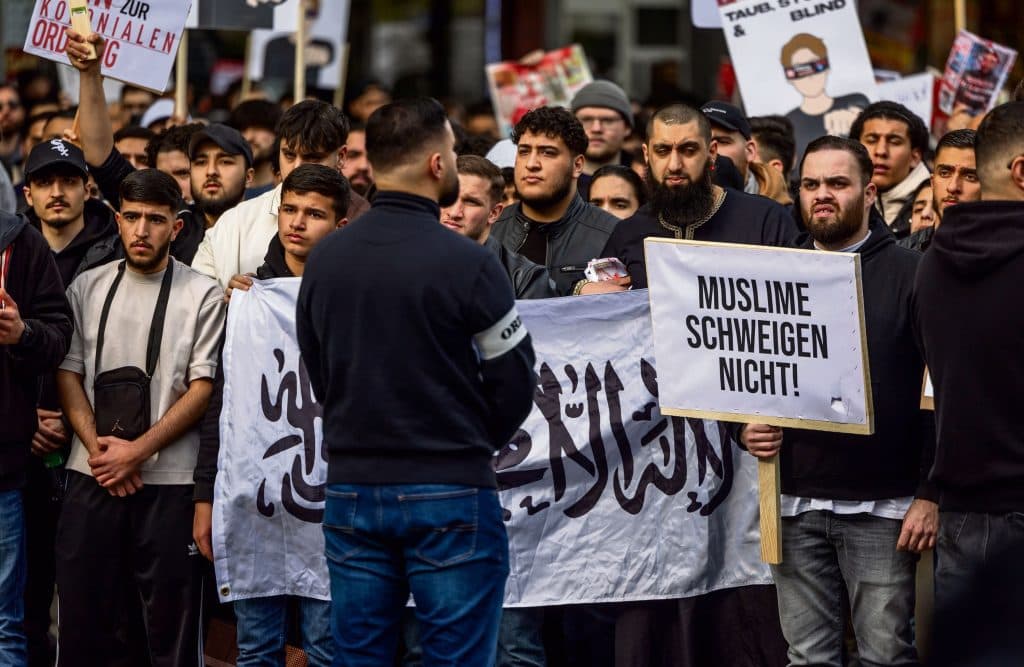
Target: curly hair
{"x": 553, "y": 122}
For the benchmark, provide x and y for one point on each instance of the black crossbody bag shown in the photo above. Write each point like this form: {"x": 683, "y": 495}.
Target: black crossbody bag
{"x": 121, "y": 395}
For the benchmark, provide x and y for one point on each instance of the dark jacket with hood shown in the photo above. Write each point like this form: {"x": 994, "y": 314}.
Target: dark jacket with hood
{"x": 529, "y": 280}
{"x": 972, "y": 333}
{"x": 571, "y": 242}
{"x": 205, "y": 473}
{"x": 99, "y": 242}
{"x": 895, "y": 460}
{"x": 32, "y": 281}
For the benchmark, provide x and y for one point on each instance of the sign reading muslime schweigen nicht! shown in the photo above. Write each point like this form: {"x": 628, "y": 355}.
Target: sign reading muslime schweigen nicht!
{"x": 760, "y": 335}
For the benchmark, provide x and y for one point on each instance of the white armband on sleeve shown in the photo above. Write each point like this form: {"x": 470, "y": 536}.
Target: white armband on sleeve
{"x": 501, "y": 336}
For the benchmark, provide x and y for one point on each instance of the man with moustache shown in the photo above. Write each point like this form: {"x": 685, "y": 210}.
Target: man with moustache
{"x": 220, "y": 158}
{"x": 604, "y": 111}
{"x": 684, "y": 202}
{"x": 310, "y": 132}
{"x": 357, "y": 168}
{"x": 856, "y": 510}
{"x": 128, "y": 504}
{"x": 955, "y": 180}
{"x": 551, "y": 224}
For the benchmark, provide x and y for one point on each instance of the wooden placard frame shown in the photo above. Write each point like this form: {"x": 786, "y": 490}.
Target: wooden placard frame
{"x": 768, "y": 472}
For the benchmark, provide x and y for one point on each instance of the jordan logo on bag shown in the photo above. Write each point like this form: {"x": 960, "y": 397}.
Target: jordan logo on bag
{"x": 117, "y": 426}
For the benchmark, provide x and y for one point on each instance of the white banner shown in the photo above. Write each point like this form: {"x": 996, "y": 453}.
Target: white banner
{"x": 757, "y": 334}
{"x": 914, "y": 92}
{"x": 272, "y": 470}
{"x": 142, "y": 38}
{"x": 605, "y": 498}
{"x": 608, "y": 499}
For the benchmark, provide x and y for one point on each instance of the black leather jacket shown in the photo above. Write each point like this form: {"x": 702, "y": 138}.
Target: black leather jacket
{"x": 529, "y": 280}
{"x": 572, "y": 241}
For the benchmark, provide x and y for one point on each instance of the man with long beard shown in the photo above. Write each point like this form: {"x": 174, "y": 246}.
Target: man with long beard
{"x": 856, "y": 510}
{"x": 684, "y": 202}
{"x": 738, "y": 626}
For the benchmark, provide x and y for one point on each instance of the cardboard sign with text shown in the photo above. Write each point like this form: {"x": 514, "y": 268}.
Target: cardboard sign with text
{"x": 760, "y": 335}
{"x": 142, "y": 37}
{"x": 803, "y": 59}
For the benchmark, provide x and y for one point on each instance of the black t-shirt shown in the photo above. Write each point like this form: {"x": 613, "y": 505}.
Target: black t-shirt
{"x": 807, "y": 128}
{"x": 742, "y": 218}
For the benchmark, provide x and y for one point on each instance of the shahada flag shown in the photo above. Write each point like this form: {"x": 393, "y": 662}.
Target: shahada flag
{"x": 605, "y": 498}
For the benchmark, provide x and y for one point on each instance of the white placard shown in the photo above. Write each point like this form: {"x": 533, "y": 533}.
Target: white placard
{"x": 914, "y": 92}
{"x": 243, "y": 15}
{"x": 755, "y": 334}
{"x": 704, "y": 14}
{"x": 803, "y": 59}
{"x": 142, "y": 37}
{"x": 272, "y": 53}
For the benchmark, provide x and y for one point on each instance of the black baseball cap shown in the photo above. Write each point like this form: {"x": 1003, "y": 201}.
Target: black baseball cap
{"x": 228, "y": 138}
{"x": 727, "y": 116}
{"x": 55, "y": 152}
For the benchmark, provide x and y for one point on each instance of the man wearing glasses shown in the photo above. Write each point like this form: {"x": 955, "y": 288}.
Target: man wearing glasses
{"x": 804, "y": 59}
{"x": 607, "y": 117}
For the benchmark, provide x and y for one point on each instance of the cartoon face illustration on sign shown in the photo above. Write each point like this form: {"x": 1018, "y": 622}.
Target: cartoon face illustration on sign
{"x": 805, "y": 63}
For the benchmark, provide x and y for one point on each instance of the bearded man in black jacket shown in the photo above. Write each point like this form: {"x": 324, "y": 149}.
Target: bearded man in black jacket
{"x": 971, "y": 332}
{"x": 856, "y": 510}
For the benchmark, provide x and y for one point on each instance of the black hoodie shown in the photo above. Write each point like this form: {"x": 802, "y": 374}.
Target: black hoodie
{"x": 98, "y": 243}
{"x": 972, "y": 334}
{"x": 894, "y": 461}
{"x": 33, "y": 283}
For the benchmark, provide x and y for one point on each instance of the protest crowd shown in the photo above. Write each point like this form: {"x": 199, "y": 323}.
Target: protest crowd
{"x": 409, "y": 247}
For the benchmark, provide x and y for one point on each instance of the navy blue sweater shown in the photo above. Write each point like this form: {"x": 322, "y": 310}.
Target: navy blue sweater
{"x": 414, "y": 348}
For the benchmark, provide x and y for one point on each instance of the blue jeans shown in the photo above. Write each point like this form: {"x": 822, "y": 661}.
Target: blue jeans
{"x": 13, "y": 651}
{"x": 262, "y": 623}
{"x": 446, "y": 544}
{"x": 820, "y": 552}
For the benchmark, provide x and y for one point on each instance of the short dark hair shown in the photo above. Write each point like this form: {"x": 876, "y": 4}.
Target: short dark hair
{"x": 172, "y": 139}
{"x": 1000, "y": 134}
{"x": 775, "y": 140}
{"x": 957, "y": 139}
{"x": 851, "y": 146}
{"x": 626, "y": 174}
{"x": 312, "y": 125}
{"x": 133, "y": 132}
{"x": 553, "y": 122}
{"x": 263, "y": 114}
{"x": 476, "y": 144}
{"x": 151, "y": 186}
{"x": 680, "y": 114}
{"x": 399, "y": 131}
{"x": 322, "y": 180}
{"x": 887, "y": 110}
{"x": 474, "y": 165}
{"x": 129, "y": 88}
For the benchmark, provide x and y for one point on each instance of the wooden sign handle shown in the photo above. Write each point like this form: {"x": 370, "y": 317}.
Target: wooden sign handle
{"x": 81, "y": 24}
{"x": 771, "y": 518}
